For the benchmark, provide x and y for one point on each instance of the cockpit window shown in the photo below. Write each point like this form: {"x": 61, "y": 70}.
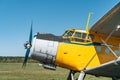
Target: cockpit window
{"x": 64, "y": 33}
{"x": 90, "y": 37}
{"x": 79, "y": 37}
{"x": 77, "y": 34}
{"x": 70, "y": 33}
{"x": 84, "y": 35}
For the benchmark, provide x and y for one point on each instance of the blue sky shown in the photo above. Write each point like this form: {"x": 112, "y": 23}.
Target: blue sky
{"x": 49, "y": 16}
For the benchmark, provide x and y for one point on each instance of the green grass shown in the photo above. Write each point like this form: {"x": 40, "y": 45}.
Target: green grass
{"x": 13, "y": 71}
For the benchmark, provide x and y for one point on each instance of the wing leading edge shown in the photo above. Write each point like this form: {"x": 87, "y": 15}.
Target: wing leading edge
{"x": 109, "y": 22}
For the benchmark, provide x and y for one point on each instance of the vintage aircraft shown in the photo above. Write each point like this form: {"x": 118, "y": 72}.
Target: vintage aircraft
{"x": 92, "y": 51}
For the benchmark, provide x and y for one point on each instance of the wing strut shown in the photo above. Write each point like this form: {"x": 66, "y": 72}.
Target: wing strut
{"x": 104, "y": 41}
{"x": 115, "y": 29}
{"x": 90, "y": 60}
{"x": 108, "y": 47}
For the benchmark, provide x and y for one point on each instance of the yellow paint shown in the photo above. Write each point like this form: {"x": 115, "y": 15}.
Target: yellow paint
{"x": 103, "y": 56}
{"x": 76, "y": 57}
{"x": 87, "y": 29}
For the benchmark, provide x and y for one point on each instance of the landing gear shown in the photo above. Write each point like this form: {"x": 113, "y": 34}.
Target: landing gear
{"x": 71, "y": 75}
{"x": 82, "y": 75}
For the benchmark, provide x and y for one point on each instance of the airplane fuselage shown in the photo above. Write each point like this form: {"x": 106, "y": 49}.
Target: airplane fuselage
{"x": 75, "y": 50}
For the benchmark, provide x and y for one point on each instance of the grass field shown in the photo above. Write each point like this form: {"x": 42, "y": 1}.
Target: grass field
{"x": 13, "y": 71}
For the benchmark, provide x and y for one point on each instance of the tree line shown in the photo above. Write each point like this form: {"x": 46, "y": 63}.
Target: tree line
{"x": 15, "y": 59}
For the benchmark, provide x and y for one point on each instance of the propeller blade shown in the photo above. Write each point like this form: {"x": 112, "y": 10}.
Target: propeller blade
{"x": 30, "y": 36}
{"x": 26, "y": 57}
{"x": 28, "y": 46}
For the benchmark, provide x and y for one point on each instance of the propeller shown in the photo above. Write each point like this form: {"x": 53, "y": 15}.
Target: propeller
{"x": 28, "y": 46}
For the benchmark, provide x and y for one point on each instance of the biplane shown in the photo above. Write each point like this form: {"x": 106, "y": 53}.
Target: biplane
{"x": 92, "y": 51}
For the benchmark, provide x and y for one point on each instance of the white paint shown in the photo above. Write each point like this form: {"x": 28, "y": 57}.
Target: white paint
{"x": 44, "y": 46}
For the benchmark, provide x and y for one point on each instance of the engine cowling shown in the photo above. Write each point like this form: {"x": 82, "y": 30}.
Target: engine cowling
{"x": 45, "y": 52}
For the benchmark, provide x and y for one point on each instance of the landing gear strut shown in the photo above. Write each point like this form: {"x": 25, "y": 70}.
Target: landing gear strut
{"x": 82, "y": 75}
{"x": 71, "y": 75}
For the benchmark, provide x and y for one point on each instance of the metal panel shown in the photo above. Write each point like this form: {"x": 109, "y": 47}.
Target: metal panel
{"x": 45, "y": 52}
{"x": 44, "y": 46}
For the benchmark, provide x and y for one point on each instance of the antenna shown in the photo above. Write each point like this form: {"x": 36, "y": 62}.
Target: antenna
{"x": 88, "y": 20}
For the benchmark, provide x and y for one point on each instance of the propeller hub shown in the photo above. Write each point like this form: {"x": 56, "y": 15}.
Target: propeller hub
{"x": 27, "y": 45}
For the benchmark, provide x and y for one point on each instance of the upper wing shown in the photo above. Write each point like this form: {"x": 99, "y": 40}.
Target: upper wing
{"x": 107, "y": 30}
{"x": 110, "y": 69}
{"x": 109, "y": 22}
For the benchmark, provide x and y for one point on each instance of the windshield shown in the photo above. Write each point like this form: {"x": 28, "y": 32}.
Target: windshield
{"x": 67, "y": 34}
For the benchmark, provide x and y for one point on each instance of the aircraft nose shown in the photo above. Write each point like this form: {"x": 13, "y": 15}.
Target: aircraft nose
{"x": 45, "y": 52}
